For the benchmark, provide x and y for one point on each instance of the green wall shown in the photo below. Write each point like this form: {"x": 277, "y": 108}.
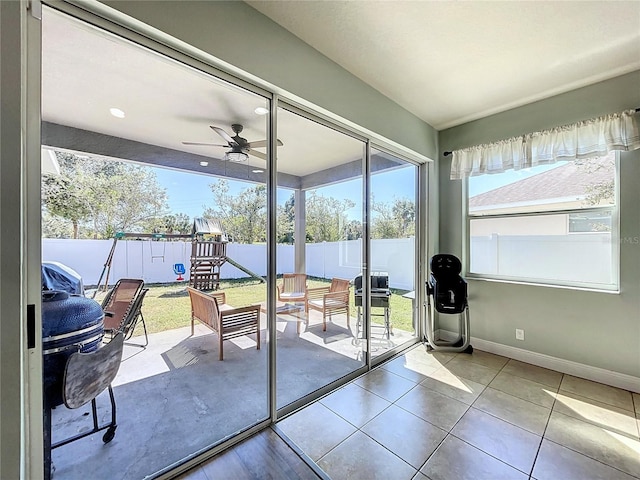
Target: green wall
{"x": 243, "y": 37}
{"x": 592, "y": 328}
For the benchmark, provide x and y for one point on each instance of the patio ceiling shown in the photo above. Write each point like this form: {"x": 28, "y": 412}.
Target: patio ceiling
{"x": 86, "y": 72}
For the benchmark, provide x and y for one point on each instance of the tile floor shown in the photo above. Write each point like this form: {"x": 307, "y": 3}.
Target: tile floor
{"x": 440, "y": 416}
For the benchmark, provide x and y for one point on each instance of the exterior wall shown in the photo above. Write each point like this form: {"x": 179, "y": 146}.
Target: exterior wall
{"x": 589, "y": 327}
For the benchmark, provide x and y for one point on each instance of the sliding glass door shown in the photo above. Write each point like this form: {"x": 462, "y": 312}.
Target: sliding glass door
{"x": 319, "y": 234}
{"x": 156, "y": 172}
{"x": 158, "y": 169}
{"x": 393, "y": 186}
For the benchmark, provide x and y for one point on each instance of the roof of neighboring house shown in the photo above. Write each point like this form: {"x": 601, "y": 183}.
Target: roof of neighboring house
{"x": 568, "y": 180}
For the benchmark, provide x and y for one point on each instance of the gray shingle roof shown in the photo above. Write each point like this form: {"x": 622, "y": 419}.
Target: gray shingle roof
{"x": 568, "y": 180}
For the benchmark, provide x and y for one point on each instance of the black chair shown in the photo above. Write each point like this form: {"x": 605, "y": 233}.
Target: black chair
{"x": 447, "y": 295}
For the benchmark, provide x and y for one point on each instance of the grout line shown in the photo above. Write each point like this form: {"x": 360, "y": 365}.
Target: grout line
{"x": 490, "y": 455}
{"x": 544, "y": 432}
{"x": 591, "y": 458}
{"x": 298, "y": 451}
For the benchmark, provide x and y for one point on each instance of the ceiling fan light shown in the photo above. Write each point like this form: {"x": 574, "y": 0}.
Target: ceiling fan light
{"x": 236, "y": 157}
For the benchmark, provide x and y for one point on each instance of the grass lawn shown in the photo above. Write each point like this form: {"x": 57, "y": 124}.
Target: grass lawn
{"x": 167, "y": 306}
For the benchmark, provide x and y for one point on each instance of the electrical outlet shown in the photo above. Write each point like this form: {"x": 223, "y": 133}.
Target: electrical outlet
{"x": 519, "y": 334}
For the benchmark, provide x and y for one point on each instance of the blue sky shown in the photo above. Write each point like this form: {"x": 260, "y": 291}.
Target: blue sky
{"x": 484, "y": 183}
{"x": 190, "y": 193}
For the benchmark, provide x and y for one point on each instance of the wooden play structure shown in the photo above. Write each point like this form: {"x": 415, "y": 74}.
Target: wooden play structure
{"x": 208, "y": 254}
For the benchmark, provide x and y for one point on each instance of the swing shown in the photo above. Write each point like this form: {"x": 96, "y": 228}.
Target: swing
{"x": 159, "y": 253}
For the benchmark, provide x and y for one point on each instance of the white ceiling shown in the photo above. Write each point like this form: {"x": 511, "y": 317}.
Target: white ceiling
{"x": 450, "y": 62}
{"x": 86, "y": 72}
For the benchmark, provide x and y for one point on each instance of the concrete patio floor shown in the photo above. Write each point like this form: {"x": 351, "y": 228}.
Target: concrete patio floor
{"x": 175, "y": 398}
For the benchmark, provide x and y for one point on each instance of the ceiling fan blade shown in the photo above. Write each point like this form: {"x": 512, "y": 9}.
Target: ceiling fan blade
{"x": 257, "y": 154}
{"x": 263, "y": 143}
{"x": 206, "y": 144}
{"x": 224, "y": 135}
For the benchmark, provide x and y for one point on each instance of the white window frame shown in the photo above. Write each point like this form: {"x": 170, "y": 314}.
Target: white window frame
{"x": 615, "y": 241}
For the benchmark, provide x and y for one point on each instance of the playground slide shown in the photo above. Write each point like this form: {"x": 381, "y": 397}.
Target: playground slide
{"x": 246, "y": 270}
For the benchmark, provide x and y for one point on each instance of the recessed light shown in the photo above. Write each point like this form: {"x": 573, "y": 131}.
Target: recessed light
{"x": 116, "y": 112}
{"x": 204, "y": 164}
{"x": 257, "y": 170}
{"x": 261, "y": 111}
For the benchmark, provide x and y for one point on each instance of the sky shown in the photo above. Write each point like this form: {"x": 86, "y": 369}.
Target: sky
{"x": 190, "y": 193}
{"x": 484, "y": 183}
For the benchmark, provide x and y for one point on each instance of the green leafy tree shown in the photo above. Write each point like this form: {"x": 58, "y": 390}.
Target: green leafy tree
{"x": 175, "y": 223}
{"x": 54, "y": 226}
{"x": 393, "y": 220}
{"x": 243, "y": 216}
{"x": 65, "y": 199}
{"x": 286, "y": 221}
{"x": 104, "y": 196}
{"x": 326, "y": 218}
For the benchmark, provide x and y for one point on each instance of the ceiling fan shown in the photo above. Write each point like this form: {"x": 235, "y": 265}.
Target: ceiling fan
{"x": 240, "y": 147}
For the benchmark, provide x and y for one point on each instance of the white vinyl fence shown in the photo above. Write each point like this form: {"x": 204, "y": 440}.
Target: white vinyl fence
{"x": 153, "y": 261}
{"x": 577, "y": 257}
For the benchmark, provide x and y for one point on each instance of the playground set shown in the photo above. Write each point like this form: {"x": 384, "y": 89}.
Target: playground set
{"x": 208, "y": 254}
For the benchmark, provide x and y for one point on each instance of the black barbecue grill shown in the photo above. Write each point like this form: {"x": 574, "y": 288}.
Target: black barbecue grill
{"x": 380, "y": 294}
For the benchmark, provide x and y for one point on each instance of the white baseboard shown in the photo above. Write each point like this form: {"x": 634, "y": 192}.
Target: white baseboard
{"x": 596, "y": 374}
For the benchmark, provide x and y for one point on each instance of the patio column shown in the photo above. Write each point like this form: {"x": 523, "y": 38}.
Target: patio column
{"x": 299, "y": 231}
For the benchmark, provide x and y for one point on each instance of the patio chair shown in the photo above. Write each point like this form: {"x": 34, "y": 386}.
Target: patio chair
{"x": 228, "y": 322}
{"x": 122, "y": 308}
{"x": 293, "y": 288}
{"x": 330, "y": 300}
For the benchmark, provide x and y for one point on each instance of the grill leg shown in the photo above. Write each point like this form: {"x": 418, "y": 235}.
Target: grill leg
{"x": 47, "y": 440}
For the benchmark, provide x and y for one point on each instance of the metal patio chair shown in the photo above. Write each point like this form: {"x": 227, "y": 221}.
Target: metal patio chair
{"x": 122, "y": 308}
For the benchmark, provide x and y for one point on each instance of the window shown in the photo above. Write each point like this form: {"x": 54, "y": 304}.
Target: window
{"x": 554, "y": 224}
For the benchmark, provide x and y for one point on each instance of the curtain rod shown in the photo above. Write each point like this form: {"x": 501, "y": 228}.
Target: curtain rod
{"x": 446, "y": 154}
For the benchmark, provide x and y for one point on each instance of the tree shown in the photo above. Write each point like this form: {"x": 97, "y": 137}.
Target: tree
{"x": 601, "y": 190}
{"x": 393, "y": 220}
{"x": 65, "y": 199}
{"x": 105, "y": 195}
{"x": 175, "y": 223}
{"x": 54, "y": 226}
{"x": 243, "y": 216}
{"x": 286, "y": 221}
{"x": 326, "y": 218}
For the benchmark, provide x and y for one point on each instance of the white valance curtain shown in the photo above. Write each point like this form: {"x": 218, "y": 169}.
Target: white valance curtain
{"x": 590, "y": 138}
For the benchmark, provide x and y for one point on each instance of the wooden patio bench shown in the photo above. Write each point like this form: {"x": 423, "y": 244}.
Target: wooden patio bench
{"x": 228, "y": 322}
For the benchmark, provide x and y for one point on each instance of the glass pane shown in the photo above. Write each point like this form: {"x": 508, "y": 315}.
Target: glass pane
{"x": 576, "y": 248}
{"x": 319, "y": 254}
{"x": 560, "y": 186}
{"x": 393, "y": 229}
{"x": 126, "y": 198}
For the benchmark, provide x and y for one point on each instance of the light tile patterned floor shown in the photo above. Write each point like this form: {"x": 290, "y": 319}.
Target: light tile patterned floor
{"x": 441, "y": 416}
